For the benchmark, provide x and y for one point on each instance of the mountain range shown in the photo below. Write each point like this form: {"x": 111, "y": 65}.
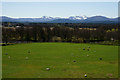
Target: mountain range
{"x": 71, "y": 19}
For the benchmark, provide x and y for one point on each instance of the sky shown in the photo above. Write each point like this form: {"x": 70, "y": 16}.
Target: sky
{"x": 59, "y": 9}
{"x": 60, "y": 0}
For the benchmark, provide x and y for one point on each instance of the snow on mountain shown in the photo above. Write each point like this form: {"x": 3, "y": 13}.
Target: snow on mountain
{"x": 78, "y": 17}
{"x": 46, "y": 17}
{"x": 71, "y": 19}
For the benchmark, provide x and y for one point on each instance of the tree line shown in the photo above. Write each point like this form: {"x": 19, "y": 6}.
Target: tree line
{"x": 60, "y": 33}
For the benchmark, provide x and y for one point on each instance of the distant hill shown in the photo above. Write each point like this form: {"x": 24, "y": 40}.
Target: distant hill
{"x": 71, "y": 19}
{"x": 64, "y": 21}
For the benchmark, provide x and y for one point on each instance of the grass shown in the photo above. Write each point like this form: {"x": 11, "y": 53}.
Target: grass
{"x": 59, "y": 58}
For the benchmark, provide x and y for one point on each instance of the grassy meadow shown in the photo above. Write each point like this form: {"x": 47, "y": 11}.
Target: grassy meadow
{"x": 65, "y": 60}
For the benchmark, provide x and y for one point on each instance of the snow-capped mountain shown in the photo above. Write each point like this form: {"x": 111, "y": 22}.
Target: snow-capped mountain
{"x": 46, "y": 17}
{"x": 71, "y": 19}
{"x": 77, "y": 17}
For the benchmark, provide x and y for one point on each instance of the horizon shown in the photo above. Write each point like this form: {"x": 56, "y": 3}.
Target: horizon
{"x": 59, "y": 9}
{"x": 55, "y": 16}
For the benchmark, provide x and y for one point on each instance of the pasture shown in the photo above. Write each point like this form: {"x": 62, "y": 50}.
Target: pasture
{"x": 62, "y": 60}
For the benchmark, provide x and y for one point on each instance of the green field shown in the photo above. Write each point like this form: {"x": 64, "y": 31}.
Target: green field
{"x": 59, "y": 57}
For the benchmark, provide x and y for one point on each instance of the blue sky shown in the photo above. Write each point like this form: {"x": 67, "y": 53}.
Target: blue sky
{"x": 59, "y": 9}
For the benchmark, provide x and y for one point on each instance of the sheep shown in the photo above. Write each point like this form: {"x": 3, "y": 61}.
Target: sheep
{"x": 100, "y": 58}
{"x": 85, "y": 75}
{"x": 83, "y": 48}
{"x": 6, "y": 53}
{"x": 26, "y": 58}
{"x": 74, "y": 61}
{"x": 47, "y": 69}
{"x": 9, "y": 57}
{"x": 87, "y": 55}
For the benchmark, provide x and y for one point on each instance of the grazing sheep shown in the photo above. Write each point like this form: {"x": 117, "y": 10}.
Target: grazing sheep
{"x": 9, "y": 57}
{"x": 100, "y": 58}
{"x": 83, "y": 48}
{"x": 87, "y": 55}
{"x": 74, "y": 61}
{"x": 47, "y": 69}
{"x": 26, "y": 58}
{"x": 6, "y": 53}
{"x": 85, "y": 75}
